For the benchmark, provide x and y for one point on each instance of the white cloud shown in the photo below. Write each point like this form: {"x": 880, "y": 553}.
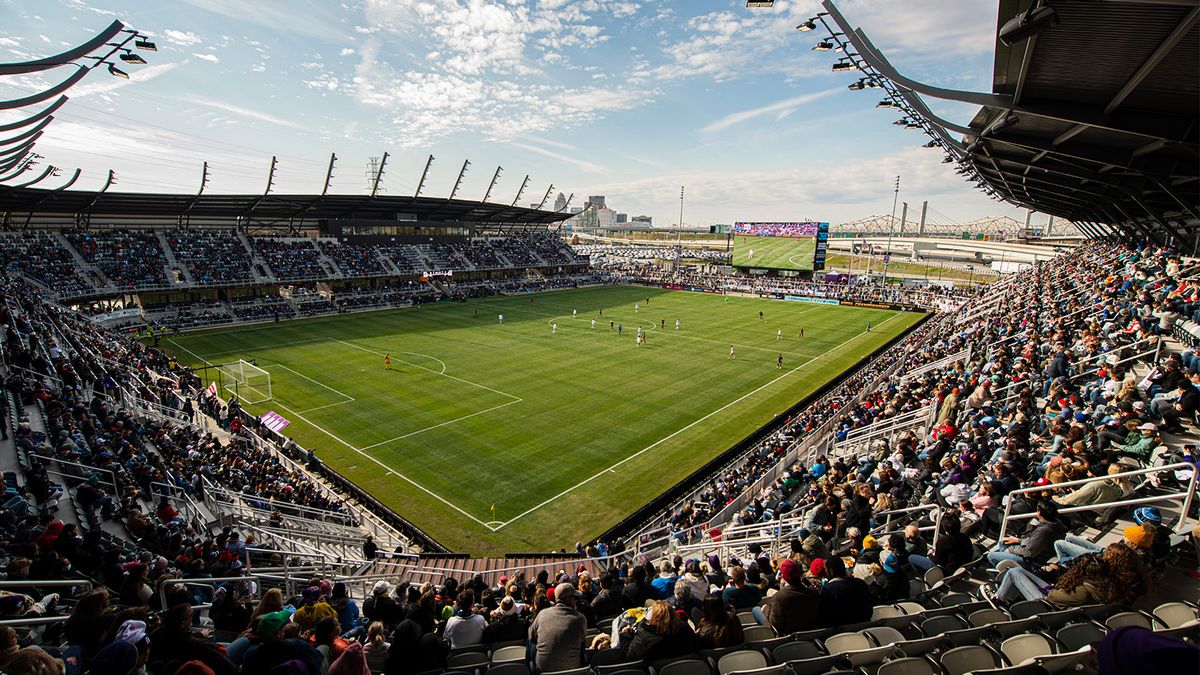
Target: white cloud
{"x": 579, "y": 163}
{"x": 211, "y": 58}
{"x": 9, "y": 42}
{"x": 346, "y": 51}
{"x": 780, "y": 108}
{"x": 107, "y": 85}
{"x": 182, "y": 38}
{"x": 243, "y": 112}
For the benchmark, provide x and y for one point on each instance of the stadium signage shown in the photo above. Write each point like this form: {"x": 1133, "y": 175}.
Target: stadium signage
{"x": 875, "y": 305}
{"x": 819, "y": 301}
{"x": 438, "y": 273}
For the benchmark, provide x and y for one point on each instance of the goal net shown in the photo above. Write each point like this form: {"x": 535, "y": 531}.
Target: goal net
{"x": 246, "y": 381}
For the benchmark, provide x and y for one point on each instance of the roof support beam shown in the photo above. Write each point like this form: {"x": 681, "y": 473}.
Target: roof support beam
{"x": 1155, "y": 58}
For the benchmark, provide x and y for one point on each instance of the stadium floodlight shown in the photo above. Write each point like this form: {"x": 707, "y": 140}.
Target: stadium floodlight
{"x": 901, "y": 122}
{"x": 947, "y": 159}
{"x": 145, "y": 45}
{"x": 117, "y": 72}
{"x": 130, "y": 57}
{"x": 1006, "y": 121}
{"x": 1032, "y": 21}
{"x": 823, "y": 46}
{"x": 843, "y": 65}
{"x": 931, "y": 144}
{"x": 811, "y": 24}
{"x": 856, "y": 86}
{"x": 887, "y": 103}
{"x": 760, "y": 3}
{"x": 912, "y": 125}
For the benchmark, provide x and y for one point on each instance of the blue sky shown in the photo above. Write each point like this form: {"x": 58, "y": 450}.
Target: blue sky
{"x": 626, "y": 98}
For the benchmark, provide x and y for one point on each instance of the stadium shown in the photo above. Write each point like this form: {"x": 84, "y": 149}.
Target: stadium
{"x": 357, "y": 431}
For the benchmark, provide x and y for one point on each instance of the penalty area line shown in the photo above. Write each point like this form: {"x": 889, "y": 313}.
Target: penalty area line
{"x": 689, "y": 426}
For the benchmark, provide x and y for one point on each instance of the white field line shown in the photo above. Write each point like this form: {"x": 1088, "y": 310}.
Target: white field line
{"x": 443, "y": 373}
{"x": 689, "y": 426}
{"x": 328, "y": 405}
{"x": 456, "y": 419}
{"x": 676, "y": 334}
{"x": 316, "y": 382}
{"x": 255, "y": 348}
{"x": 300, "y": 415}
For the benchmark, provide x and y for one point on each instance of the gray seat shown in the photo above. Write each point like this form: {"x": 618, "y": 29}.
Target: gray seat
{"x": 1175, "y": 614}
{"x": 906, "y": 666}
{"x": 795, "y": 651}
{"x": 884, "y": 635}
{"x": 685, "y": 667}
{"x": 466, "y": 660}
{"x": 1056, "y": 620}
{"x": 984, "y": 617}
{"x": 941, "y": 624}
{"x": 1129, "y": 619}
{"x": 510, "y": 653}
{"x": 846, "y": 642}
{"x": 758, "y": 633}
{"x": 1029, "y": 669}
{"x": 818, "y": 665}
{"x": 574, "y": 671}
{"x": 922, "y": 646}
{"x": 509, "y": 668}
{"x": 961, "y": 660}
{"x": 768, "y": 670}
{"x": 1022, "y": 649}
{"x": 1079, "y": 635}
{"x": 741, "y": 660}
{"x": 1027, "y": 608}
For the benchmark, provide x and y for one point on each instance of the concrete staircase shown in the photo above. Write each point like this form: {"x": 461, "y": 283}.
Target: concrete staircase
{"x": 262, "y": 272}
{"x": 173, "y": 262}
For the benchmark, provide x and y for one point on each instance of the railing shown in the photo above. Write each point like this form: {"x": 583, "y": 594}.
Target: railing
{"x": 87, "y": 471}
{"x": 1186, "y": 495}
{"x": 886, "y": 527}
{"x": 964, "y": 355}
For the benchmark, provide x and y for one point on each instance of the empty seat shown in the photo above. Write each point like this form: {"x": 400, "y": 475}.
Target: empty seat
{"x": 984, "y": 617}
{"x": 615, "y": 668}
{"x": 509, "y": 668}
{"x": 1079, "y": 635}
{"x": 818, "y": 665}
{"x": 1021, "y": 649}
{"x": 922, "y": 646}
{"x": 885, "y": 612}
{"x": 910, "y": 607}
{"x": 1028, "y": 669}
{"x": 1129, "y": 619}
{"x": 574, "y": 671}
{"x": 758, "y": 633}
{"x": 1056, "y": 620}
{"x": 953, "y": 599}
{"x": 884, "y": 635}
{"x": 961, "y": 660}
{"x": 512, "y": 653}
{"x": 795, "y": 651}
{"x": 941, "y": 624}
{"x": 867, "y": 657}
{"x": 934, "y": 574}
{"x": 846, "y": 642}
{"x": 767, "y": 670}
{"x": 741, "y": 660}
{"x": 685, "y": 667}
{"x": 906, "y": 666}
{"x": 466, "y": 660}
{"x": 1175, "y": 614}
{"x": 1027, "y": 608}
{"x": 1007, "y": 629}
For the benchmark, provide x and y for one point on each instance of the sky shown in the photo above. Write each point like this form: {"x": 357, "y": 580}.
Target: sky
{"x": 629, "y": 99}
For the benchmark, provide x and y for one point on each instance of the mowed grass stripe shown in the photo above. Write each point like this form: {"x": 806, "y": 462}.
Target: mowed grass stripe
{"x": 589, "y": 399}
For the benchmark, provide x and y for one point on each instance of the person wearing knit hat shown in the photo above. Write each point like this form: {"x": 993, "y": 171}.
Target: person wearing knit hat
{"x": 869, "y": 542}
{"x": 270, "y": 624}
{"x": 817, "y": 569}
{"x": 117, "y": 658}
{"x": 794, "y": 607}
{"x": 1138, "y": 537}
{"x": 274, "y": 650}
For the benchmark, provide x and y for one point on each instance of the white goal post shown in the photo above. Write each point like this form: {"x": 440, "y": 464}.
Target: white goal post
{"x": 246, "y": 381}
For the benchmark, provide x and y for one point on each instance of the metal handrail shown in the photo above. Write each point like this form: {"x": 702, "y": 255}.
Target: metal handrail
{"x": 90, "y": 469}
{"x": 1187, "y": 495}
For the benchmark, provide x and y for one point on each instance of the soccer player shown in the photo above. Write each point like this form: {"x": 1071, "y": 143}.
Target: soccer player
{"x": 574, "y": 312}
{"x": 554, "y": 328}
{"x": 610, "y": 326}
{"x": 802, "y": 331}
{"x": 476, "y": 312}
{"x": 637, "y": 342}
{"x": 593, "y": 324}
{"x": 676, "y": 324}
{"x": 760, "y": 317}
{"x": 779, "y": 362}
{"x": 620, "y": 328}
{"x": 779, "y": 334}
{"x": 868, "y": 326}
{"x": 635, "y": 307}
{"x": 662, "y": 323}
{"x": 732, "y": 355}
{"x": 387, "y": 361}
{"x": 501, "y": 319}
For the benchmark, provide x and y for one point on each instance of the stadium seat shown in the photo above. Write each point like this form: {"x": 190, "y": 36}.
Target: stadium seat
{"x": 984, "y": 617}
{"x": 506, "y": 654}
{"x": 467, "y": 660}
{"x": 684, "y": 667}
{"x": 614, "y": 668}
{"x": 906, "y": 666}
{"x": 1028, "y": 669}
{"x": 758, "y": 633}
{"x": 795, "y": 651}
{"x": 741, "y": 660}
{"x": 846, "y": 642}
{"x": 1021, "y": 649}
{"x": 939, "y": 625}
{"x": 509, "y": 668}
{"x": 747, "y": 618}
{"x": 884, "y": 635}
{"x": 1027, "y": 608}
{"x": 970, "y": 658}
{"x": 585, "y": 670}
{"x": 922, "y": 646}
{"x": 910, "y": 608}
{"x": 1056, "y": 620}
{"x": 1007, "y": 629}
{"x": 881, "y": 612}
{"x": 1175, "y": 614}
{"x": 1078, "y": 635}
{"x": 1129, "y": 619}
{"x": 819, "y": 664}
{"x": 766, "y": 670}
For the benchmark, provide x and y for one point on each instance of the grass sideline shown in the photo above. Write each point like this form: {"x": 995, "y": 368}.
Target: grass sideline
{"x": 565, "y": 433}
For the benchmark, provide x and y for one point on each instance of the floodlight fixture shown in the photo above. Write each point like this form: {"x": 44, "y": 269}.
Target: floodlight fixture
{"x": 912, "y": 125}
{"x": 145, "y": 45}
{"x": 947, "y": 159}
{"x": 856, "y": 86}
{"x": 931, "y": 144}
{"x": 1005, "y": 122}
{"x": 887, "y": 103}
{"x": 901, "y": 122}
{"x": 117, "y": 72}
{"x": 808, "y": 25}
{"x": 759, "y": 3}
{"x": 843, "y": 65}
{"x": 130, "y": 57}
{"x": 1032, "y": 21}
{"x": 823, "y": 46}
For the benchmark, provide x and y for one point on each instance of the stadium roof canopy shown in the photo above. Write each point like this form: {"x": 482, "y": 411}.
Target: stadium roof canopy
{"x": 273, "y": 210}
{"x": 1094, "y": 119}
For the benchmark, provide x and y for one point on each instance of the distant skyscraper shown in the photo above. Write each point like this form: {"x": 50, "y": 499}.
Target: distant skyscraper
{"x": 560, "y": 202}
{"x": 622, "y": 218}
{"x": 598, "y": 200}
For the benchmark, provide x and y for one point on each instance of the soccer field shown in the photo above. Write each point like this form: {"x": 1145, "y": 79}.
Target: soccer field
{"x": 788, "y": 253}
{"x": 565, "y": 433}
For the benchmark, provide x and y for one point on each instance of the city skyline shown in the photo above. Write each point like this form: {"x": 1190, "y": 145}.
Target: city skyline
{"x": 622, "y": 98}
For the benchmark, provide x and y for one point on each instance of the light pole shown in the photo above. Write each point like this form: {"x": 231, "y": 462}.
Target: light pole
{"x": 678, "y": 230}
{"x": 887, "y": 256}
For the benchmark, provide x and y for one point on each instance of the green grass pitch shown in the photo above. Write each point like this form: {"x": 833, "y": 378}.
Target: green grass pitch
{"x": 786, "y": 253}
{"x": 565, "y": 433}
